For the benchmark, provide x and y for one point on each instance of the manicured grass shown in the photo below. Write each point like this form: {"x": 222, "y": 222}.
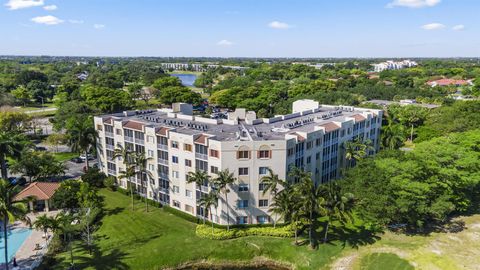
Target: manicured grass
{"x": 158, "y": 239}
{"x": 380, "y": 261}
{"x": 65, "y": 156}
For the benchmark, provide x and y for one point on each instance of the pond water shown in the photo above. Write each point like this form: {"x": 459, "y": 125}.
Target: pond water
{"x": 187, "y": 79}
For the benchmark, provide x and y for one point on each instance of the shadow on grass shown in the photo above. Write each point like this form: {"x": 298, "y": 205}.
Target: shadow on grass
{"x": 101, "y": 260}
{"x": 353, "y": 236}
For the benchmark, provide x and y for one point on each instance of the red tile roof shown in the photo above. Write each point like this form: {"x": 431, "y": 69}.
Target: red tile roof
{"x": 133, "y": 125}
{"x": 300, "y": 138}
{"x": 446, "y": 82}
{"x": 108, "y": 120}
{"x": 38, "y": 190}
{"x": 330, "y": 127}
{"x": 358, "y": 117}
{"x": 202, "y": 139}
{"x": 162, "y": 131}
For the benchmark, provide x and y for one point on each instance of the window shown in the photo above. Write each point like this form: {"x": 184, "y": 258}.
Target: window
{"x": 175, "y": 174}
{"x": 243, "y": 188}
{"x": 188, "y": 193}
{"x": 214, "y": 153}
{"x": 150, "y": 153}
{"x": 309, "y": 144}
{"x": 162, "y": 155}
{"x": 151, "y": 167}
{"x": 264, "y": 154}
{"x": 262, "y": 203}
{"x": 309, "y": 160}
{"x": 150, "y": 139}
{"x": 188, "y": 163}
{"x": 262, "y": 170}
{"x": 242, "y": 203}
{"x": 175, "y": 144}
{"x": 118, "y": 131}
{"x": 318, "y": 141}
{"x": 262, "y": 186}
{"x": 201, "y": 165}
{"x": 175, "y": 159}
{"x": 242, "y": 171}
{"x": 176, "y": 204}
{"x": 187, "y": 147}
{"x": 263, "y": 219}
{"x": 290, "y": 151}
{"x": 175, "y": 189}
{"x": 243, "y": 154}
{"x": 242, "y": 220}
{"x": 213, "y": 169}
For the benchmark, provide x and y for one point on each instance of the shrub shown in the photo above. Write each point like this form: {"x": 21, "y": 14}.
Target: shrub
{"x": 109, "y": 183}
{"x": 94, "y": 177}
{"x": 205, "y": 231}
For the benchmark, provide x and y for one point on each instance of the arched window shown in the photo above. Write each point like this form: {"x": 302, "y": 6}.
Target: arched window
{"x": 243, "y": 152}
{"x": 264, "y": 152}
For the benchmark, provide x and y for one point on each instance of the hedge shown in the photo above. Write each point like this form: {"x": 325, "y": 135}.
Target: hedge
{"x": 205, "y": 231}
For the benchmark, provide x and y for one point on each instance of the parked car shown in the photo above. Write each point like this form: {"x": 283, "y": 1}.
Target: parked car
{"x": 19, "y": 180}
{"x": 40, "y": 148}
{"x": 77, "y": 160}
{"x": 90, "y": 157}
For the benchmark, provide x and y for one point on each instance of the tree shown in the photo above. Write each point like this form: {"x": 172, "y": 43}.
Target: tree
{"x": 10, "y": 211}
{"x": 66, "y": 196}
{"x": 167, "y": 81}
{"x": 128, "y": 174}
{"x": 55, "y": 139}
{"x": 87, "y": 226}
{"x": 272, "y": 183}
{"x": 336, "y": 205}
{"x": 44, "y": 223}
{"x": 392, "y": 136}
{"x": 207, "y": 202}
{"x": 200, "y": 178}
{"x": 38, "y": 165}
{"x": 222, "y": 181}
{"x": 175, "y": 94}
{"x": 128, "y": 158}
{"x": 21, "y": 93}
{"x": 412, "y": 116}
{"x": 14, "y": 121}
{"x": 81, "y": 136}
{"x": 141, "y": 165}
{"x": 11, "y": 145}
{"x": 106, "y": 100}
{"x": 94, "y": 177}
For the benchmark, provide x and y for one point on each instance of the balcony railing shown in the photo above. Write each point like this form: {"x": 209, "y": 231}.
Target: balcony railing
{"x": 139, "y": 141}
{"x": 112, "y": 172}
{"x": 129, "y": 139}
{"x": 162, "y": 147}
{"x": 110, "y": 147}
{"x": 108, "y": 134}
{"x": 163, "y": 176}
{"x": 201, "y": 156}
{"x": 162, "y": 161}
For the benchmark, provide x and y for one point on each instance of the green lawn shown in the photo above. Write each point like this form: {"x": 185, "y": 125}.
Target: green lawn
{"x": 379, "y": 261}
{"x": 158, "y": 239}
{"x": 65, "y": 156}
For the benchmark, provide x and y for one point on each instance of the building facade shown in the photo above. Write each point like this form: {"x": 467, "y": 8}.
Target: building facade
{"x": 176, "y": 143}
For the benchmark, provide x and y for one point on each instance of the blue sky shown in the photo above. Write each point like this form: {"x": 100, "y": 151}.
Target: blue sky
{"x": 246, "y": 28}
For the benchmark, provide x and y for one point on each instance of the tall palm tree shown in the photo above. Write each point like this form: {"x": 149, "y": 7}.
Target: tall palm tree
{"x": 141, "y": 165}
{"x": 200, "y": 178}
{"x": 128, "y": 174}
{"x": 336, "y": 206}
{"x": 272, "y": 183}
{"x": 44, "y": 223}
{"x": 310, "y": 200}
{"x": 209, "y": 201}
{"x": 10, "y": 210}
{"x": 223, "y": 179}
{"x": 283, "y": 204}
{"x": 354, "y": 151}
{"x": 392, "y": 136}
{"x": 127, "y": 156}
{"x": 81, "y": 136}
{"x": 11, "y": 145}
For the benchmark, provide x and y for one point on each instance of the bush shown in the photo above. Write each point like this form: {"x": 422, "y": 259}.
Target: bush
{"x": 109, "y": 183}
{"x": 94, "y": 177}
{"x": 205, "y": 231}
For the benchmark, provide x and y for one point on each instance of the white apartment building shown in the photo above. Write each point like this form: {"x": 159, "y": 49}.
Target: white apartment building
{"x": 389, "y": 65}
{"x": 177, "y": 142}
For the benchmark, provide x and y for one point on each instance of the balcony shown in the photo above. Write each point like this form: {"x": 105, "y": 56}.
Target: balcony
{"x": 139, "y": 141}
{"x": 108, "y": 134}
{"x": 163, "y": 176}
{"x": 129, "y": 139}
{"x": 162, "y": 161}
{"x": 112, "y": 172}
{"x": 202, "y": 188}
{"x": 201, "y": 156}
{"x": 110, "y": 147}
{"x": 162, "y": 147}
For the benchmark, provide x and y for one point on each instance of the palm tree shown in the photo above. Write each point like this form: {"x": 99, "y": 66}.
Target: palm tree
{"x": 354, "y": 151}
{"x": 222, "y": 181}
{"x": 336, "y": 206}
{"x": 44, "y": 223}
{"x": 10, "y": 210}
{"x": 127, "y": 174}
{"x": 198, "y": 177}
{"x": 127, "y": 156}
{"x": 11, "y": 145}
{"x": 209, "y": 201}
{"x": 272, "y": 183}
{"x": 310, "y": 199}
{"x": 81, "y": 137}
{"x": 141, "y": 164}
{"x": 393, "y": 135}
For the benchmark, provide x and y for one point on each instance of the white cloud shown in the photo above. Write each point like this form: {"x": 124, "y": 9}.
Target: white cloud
{"x": 19, "y": 4}
{"x": 279, "y": 25}
{"x": 76, "y": 21}
{"x": 433, "y": 26}
{"x": 48, "y": 20}
{"x": 50, "y": 7}
{"x": 459, "y": 27}
{"x": 225, "y": 43}
{"x": 99, "y": 26}
{"x": 413, "y": 3}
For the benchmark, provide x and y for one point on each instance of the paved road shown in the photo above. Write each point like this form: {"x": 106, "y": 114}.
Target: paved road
{"x": 41, "y": 110}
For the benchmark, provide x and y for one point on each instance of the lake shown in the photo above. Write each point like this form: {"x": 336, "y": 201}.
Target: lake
{"x": 187, "y": 79}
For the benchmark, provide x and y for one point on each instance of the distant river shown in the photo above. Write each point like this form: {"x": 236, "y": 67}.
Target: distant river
{"x": 187, "y": 79}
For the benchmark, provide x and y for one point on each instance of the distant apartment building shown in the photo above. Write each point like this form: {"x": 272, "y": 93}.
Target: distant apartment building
{"x": 177, "y": 142}
{"x": 390, "y": 65}
{"x": 449, "y": 82}
{"x": 196, "y": 67}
